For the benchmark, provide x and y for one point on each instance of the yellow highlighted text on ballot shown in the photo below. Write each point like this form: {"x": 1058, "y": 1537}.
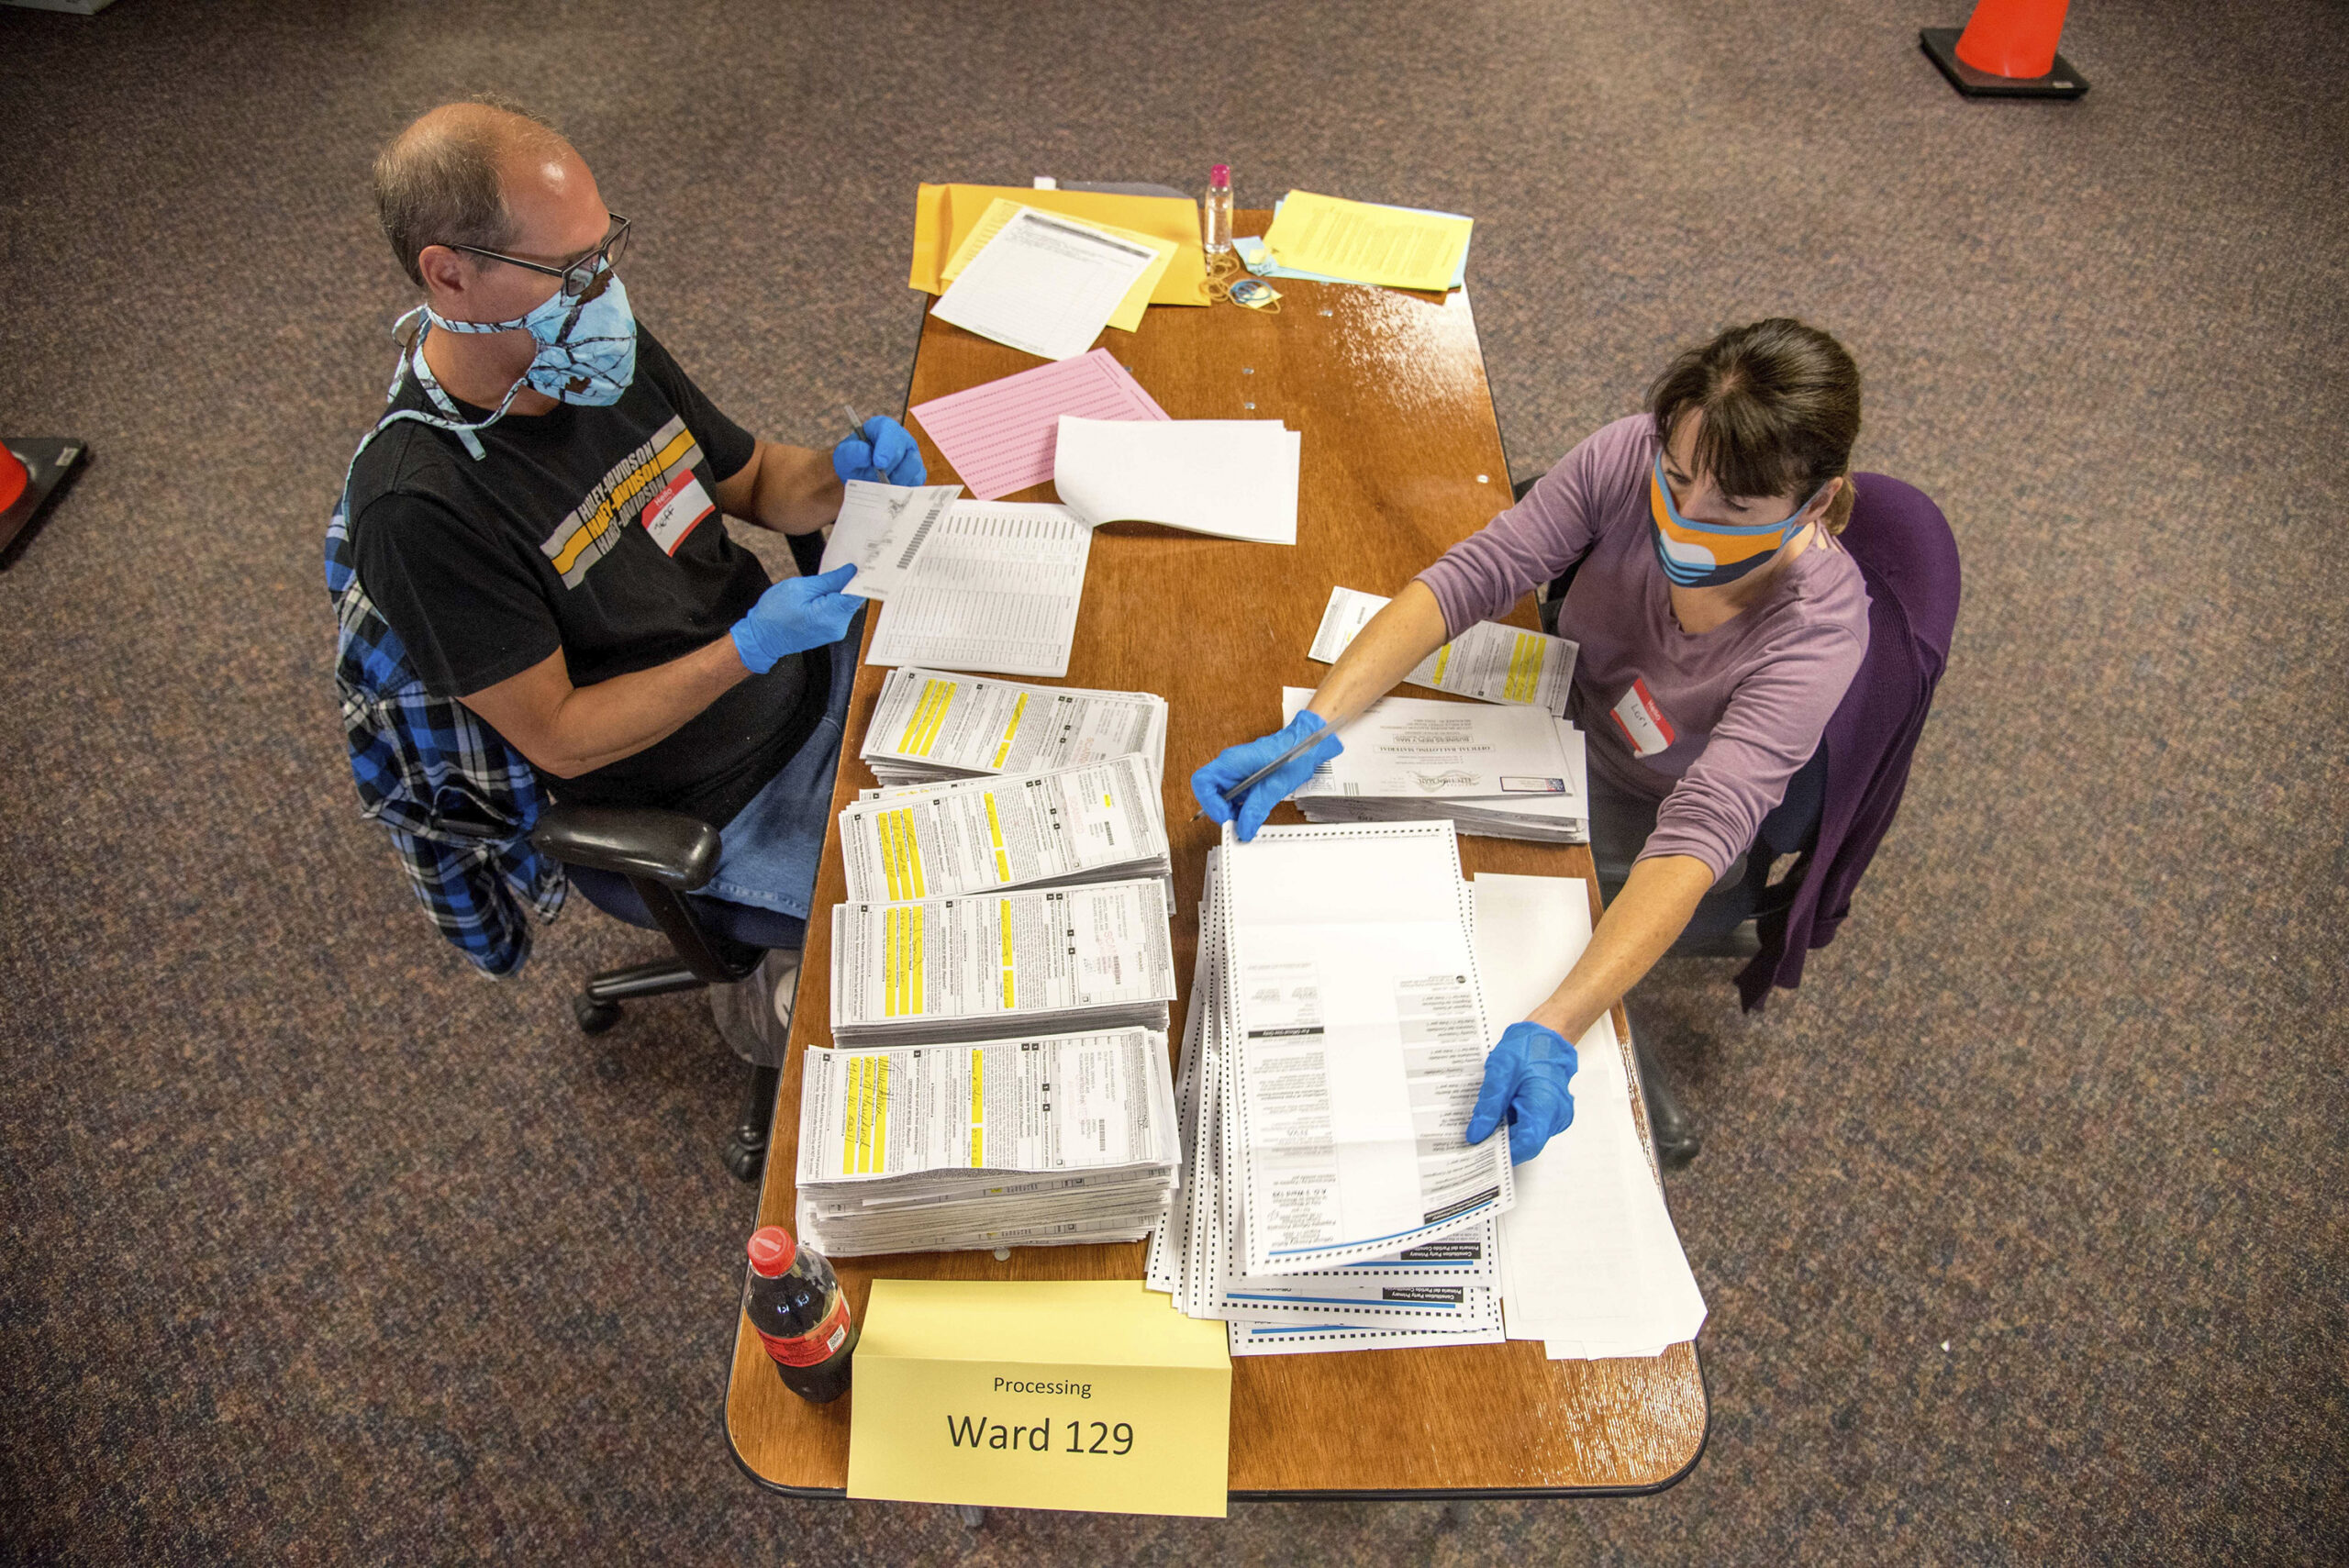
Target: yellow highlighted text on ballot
{"x": 1091, "y": 1394}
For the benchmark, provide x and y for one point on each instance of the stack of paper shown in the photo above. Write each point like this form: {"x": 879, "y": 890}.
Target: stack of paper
{"x": 1100, "y": 822}
{"x": 1590, "y": 1263}
{"x": 995, "y": 585}
{"x": 1000, "y": 436}
{"x": 1501, "y": 772}
{"x": 1257, "y": 257}
{"x": 881, "y": 530}
{"x": 1127, "y": 316}
{"x": 1489, "y": 661}
{"x": 931, "y": 725}
{"x": 1364, "y": 243}
{"x": 1235, "y": 478}
{"x": 1047, "y": 285}
{"x": 1335, "y": 1048}
{"x": 1049, "y": 1140}
{"x": 962, "y": 968}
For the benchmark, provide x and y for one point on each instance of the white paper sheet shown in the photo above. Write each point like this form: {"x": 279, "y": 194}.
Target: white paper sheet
{"x": 1591, "y": 1263}
{"x": 1045, "y": 286}
{"x": 997, "y": 586}
{"x": 880, "y": 529}
{"x": 1234, "y": 478}
{"x": 1489, "y": 661}
{"x": 1360, "y": 1046}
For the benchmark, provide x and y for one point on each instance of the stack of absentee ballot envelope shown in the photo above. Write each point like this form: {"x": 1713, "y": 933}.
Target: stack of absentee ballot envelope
{"x": 1032, "y": 1140}
{"x": 1499, "y": 772}
{"x": 1334, "y": 1052}
{"x": 1095, "y": 822}
{"x": 932, "y": 725}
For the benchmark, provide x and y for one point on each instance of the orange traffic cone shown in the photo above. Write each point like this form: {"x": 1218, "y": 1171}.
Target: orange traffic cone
{"x": 2007, "y": 50}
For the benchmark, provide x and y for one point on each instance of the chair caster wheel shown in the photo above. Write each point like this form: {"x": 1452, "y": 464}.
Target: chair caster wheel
{"x": 593, "y": 1017}
{"x": 744, "y": 1158}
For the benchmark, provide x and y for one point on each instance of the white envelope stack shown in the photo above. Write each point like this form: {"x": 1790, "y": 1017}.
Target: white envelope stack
{"x": 1499, "y": 773}
{"x": 1044, "y": 1140}
{"x": 932, "y": 725}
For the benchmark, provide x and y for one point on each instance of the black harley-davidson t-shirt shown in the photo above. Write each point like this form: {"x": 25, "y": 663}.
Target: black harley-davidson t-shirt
{"x": 595, "y": 530}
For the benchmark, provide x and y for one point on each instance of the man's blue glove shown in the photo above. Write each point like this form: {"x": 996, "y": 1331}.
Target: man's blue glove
{"x": 887, "y": 453}
{"x": 1525, "y": 1083}
{"x": 794, "y": 616}
{"x": 1213, "y": 782}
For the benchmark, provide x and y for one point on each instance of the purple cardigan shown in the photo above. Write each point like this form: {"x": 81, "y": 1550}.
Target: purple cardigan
{"x": 1909, "y": 560}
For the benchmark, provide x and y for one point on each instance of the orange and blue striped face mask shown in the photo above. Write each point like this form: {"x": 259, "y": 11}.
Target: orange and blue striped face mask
{"x": 1706, "y": 555}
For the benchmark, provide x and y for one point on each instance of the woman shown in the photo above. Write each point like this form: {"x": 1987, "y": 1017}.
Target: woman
{"x": 1720, "y": 624}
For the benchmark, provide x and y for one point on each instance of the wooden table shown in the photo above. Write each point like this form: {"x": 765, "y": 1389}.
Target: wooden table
{"x": 1402, "y": 457}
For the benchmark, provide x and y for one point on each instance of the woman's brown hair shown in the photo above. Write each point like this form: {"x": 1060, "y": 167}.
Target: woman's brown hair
{"x": 1781, "y": 402}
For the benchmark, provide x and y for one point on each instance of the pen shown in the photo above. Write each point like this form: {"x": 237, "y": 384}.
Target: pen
{"x": 1231, "y": 797}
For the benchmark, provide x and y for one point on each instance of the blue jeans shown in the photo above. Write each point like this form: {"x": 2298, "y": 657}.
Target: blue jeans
{"x": 767, "y": 854}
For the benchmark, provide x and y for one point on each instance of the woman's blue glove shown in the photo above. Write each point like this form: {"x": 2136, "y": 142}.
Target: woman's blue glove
{"x": 794, "y": 616}
{"x": 1213, "y": 782}
{"x": 1525, "y": 1082}
{"x": 887, "y": 453}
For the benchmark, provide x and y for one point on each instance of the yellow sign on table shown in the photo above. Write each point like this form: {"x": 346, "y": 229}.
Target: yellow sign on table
{"x": 1127, "y": 318}
{"x": 1039, "y": 1393}
{"x": 1366, "y": 242}
{"x": 945, "y": 215}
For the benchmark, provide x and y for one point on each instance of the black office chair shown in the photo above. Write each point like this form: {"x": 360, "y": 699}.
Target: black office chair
{"x": 644, "y": 867}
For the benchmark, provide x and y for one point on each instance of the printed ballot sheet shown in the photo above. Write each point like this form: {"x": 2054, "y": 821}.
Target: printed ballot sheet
{"x": 1232, "y": 478}
{"x": 1368, "y": 243}
{"x": 1001, "y": 437}
{"x": 1417, "y": 747}
{"x": 1005, "y": 957}
{"x": 1045, "y": 284}
{"x": 881, "y": 528}
{"x": 1359, "y": 1043}
{"x": 1097, "y": 823}
{"x": 995, "y": 586}
{"x": 1059, "y": 1103}
{"x": 1591, "y": 1263}
{"x": 1489, "y": 661}
{"x": 935, "y": 723}
{"x": 1127, "y": 318}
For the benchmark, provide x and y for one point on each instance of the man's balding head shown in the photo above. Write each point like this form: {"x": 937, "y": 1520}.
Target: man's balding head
{"x": 442, "y": 181}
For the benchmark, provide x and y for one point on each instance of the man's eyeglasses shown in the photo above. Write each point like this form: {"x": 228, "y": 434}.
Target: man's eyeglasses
{"x": 580, "y": 275}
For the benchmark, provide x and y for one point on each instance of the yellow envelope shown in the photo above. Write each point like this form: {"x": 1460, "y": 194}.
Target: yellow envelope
{"x": 1366, "y": 242}
{"x": 1127, "y": 318}
{"x": 1039, "y": 1393}
{"x": 945, "y": 215}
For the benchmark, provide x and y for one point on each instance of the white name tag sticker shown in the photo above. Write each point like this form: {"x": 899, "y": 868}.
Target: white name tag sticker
{"x": 671, "y": 515}
{"x": 1642, "y": 722}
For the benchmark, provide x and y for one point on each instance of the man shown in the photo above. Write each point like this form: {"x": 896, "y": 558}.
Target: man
{"x": 537, "y": 515}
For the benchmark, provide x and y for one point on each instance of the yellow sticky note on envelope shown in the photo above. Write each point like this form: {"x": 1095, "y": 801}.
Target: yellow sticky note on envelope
{"x": 945, "y": 215}
{"x": 1090, "y": 1395}
{"x": 1127, "y": 318}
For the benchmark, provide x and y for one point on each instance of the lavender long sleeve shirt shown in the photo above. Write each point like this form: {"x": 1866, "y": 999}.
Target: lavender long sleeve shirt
{"x": 1746, "y": 702}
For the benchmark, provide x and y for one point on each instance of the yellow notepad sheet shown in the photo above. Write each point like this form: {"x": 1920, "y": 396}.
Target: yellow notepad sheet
{"x": 1366, "y": 242}
{"x": 1127, "y": 318}
{"x": 944, "y": 216}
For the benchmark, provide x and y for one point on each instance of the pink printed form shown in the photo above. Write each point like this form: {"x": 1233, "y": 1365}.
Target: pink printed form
{"x": 999, "y": 437}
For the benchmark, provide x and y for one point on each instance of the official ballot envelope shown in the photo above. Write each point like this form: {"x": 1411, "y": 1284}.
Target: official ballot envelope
{"x": 1039, "y": 1393}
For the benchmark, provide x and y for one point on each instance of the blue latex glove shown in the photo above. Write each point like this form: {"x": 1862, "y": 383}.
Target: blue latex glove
{"x": 1213, "y": 782}
{"x": 887, "y": 453}
{"x": 1525, "y": 1082}
{"x": 794, "y": 616}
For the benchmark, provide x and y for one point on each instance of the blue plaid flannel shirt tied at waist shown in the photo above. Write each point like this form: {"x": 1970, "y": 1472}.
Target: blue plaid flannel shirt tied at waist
{"x": 458, "y": 801}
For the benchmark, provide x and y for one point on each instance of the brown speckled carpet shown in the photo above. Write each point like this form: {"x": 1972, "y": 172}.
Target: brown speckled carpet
{"x": 2022, "y": 1224}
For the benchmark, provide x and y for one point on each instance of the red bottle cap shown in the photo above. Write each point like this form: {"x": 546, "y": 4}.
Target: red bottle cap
{"x": 772, "y": 1250}
{"x": 1220, "y": 176}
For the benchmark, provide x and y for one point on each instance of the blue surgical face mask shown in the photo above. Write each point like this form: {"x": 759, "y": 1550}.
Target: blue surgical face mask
{"x": 586, "y": 346}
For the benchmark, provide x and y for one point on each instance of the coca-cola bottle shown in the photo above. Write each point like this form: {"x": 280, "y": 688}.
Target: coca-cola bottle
{"x": 797, "y": 1310}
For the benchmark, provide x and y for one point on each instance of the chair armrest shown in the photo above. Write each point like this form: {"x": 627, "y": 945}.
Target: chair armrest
{"x": 676, "y": 850}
